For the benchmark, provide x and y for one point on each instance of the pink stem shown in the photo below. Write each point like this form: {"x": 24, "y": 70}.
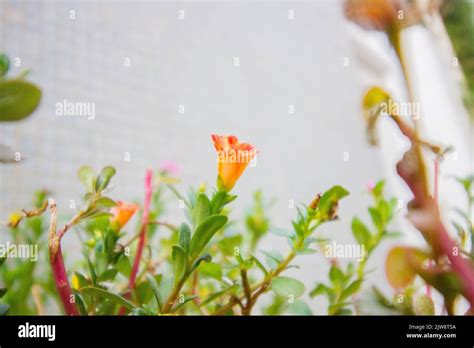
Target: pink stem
{"x": 57, "y": 263}
{"x": 143, "y": 229}
{"x": 62, "y": 283}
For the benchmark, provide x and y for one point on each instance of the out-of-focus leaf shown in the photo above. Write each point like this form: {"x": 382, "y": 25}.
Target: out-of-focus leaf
{"x": 4, "y": 64}
{"x": 211, "y": 269}
{"x": 107, "y": 275}
{"x": 399, "y": 270}
{"x": 104, "y": 178}
{"x": 286, "y": 287}
{"x": 361, "y": 232}
{"x": 90, "y": 290}
{"x": 86, "y": 177}
{"x": 18, "y": 99}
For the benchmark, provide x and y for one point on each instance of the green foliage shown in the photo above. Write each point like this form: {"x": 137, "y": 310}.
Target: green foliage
{"x": 288, "y": 288}
{"x": 18, "y": 97}
{"x": 23, "y": 277}
{"x": 465, "y": 227}
{"x": 256, "y": 220}
{"x": 206, "y": 266}
{"x": 344, "y": 283}
{"x": 460, "y": 27}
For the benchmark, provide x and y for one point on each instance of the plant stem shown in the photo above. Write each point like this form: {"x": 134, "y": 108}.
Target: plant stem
{"x": 168, "y": 305}
{"x": 57, "y": 263}
{"x": 142, "y": 235}
{"x": 259, "y": 289}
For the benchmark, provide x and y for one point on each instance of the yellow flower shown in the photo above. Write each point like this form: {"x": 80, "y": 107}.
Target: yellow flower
{"x": 121, "y": 213}
{"x": 233, "y": 158}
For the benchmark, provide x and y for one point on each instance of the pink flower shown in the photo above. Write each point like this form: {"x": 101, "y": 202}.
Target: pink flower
{"x": 370, "y": 185}
{"x": 170, "y": 167}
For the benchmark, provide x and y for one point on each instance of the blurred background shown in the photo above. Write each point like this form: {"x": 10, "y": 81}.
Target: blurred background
{"x": 163, "y": 76}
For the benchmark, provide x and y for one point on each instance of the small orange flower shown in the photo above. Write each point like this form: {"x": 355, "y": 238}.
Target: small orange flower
{"x": 232, "y": 157}
{"x": 121, "y": 213}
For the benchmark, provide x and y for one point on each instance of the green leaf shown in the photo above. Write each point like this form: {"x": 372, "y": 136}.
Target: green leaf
{"x": 4, "y": 64}
{"x": 212, "y": 270}
{"x": 336, "y": 276}
{"x": 351, "y": 289}
{"x": 376, "y": 218}
{"x": 299, "y": 308}
{"x": 156, "y": 290}
{"x": 80, "y": 304}
{"x": 18, "y": 99}
{"x": 217, "y": 202}
{"x": 320, "y": 290}
{"x": 90, "y": 290}
{"x": 184, "y": 238}
{"x": 227, "y": 245}
{"x": 184, "y": 301}
{"x": 178, "y": 257}
{"x": 203, "y": 258}
{"x": 273, "y": 258}
{"x": 105, "y": 203}
{"x": 201, "y": 210}
{"x": 361, "y": 232}
{"x": 378, "y": 189}
{"x": 282, "y": 232}
{"x": 205, "y": 232}
{"x": 92, "y": 271}
{"x": 259, "y": 265}
{"x": 86, "y": 177}
{"x": 107, "y": 275}
{"x": 337, "y": 309}
{"x": 286, "y": 287}
{"x": 3, "y": 291}
{"x": 104, "y": 178}
{"x": 329, "y": 199}
{"x": 230, "y": 290}
{"x": 123, "y": 266}
{"x": 79, "y": 281}
{"x": 305, "y": 251}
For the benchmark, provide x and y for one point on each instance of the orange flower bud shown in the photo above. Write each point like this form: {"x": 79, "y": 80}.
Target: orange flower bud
{"x": 121, "y": 213}
{"x": 232, "y": 157}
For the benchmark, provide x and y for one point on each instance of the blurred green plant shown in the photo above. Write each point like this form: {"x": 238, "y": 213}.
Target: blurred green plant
{"x": 18, "y": 97}
{"x": 458, "y": 17}
{"x": 345, "y": 282}
{"x": 30, "y": 286}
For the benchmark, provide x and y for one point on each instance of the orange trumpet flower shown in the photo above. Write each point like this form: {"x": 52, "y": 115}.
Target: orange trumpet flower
{"x": 232, "y": 157}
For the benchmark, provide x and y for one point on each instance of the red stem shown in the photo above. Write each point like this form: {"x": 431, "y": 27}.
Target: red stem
{"x": 142, "y": 238}
{"x": 57, "y": 263}
{"x": 62, "y": 283}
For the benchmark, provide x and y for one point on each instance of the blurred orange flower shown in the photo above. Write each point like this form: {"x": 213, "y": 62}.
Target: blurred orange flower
{"x": 233, "y": 158}
{"x": 373, "y": 14}
{"x": 121, "y": 213}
